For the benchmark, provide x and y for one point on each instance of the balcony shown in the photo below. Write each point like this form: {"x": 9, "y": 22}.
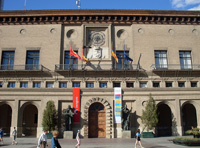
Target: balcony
{"x": 98, "y": 69}
{"x": 176, "y": 70}
{"x": 23, "y": 70}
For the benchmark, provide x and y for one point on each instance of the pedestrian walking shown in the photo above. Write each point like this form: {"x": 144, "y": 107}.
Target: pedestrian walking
{"x": 42, "y": 141}
{"x": 138, "y": 138}
{"x": 14, "y": 134}
{"x": 1, "y": 135}
{"x": 78, "y": 140}
{"x": 54, "y": 141}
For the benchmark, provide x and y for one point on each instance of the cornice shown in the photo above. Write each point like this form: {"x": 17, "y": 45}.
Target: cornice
{"x": 98, "y": 16}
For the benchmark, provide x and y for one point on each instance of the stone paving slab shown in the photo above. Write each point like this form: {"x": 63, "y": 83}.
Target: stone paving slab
{"x": 160, "y": 142}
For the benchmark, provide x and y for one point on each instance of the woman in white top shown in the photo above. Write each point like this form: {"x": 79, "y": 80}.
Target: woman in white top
{"x": 14, "y": 134}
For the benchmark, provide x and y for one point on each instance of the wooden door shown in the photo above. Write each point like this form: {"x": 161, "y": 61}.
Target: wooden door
{"x": 97, "y": 125}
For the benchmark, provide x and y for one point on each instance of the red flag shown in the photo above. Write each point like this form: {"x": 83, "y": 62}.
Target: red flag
{"x": 72, "y": 53}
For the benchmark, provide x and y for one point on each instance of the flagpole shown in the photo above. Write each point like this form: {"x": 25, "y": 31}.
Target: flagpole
{"x": 25, "y": 5}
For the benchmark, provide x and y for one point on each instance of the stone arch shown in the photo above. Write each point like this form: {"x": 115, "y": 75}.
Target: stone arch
{"x": 189, "y": 115}
{"x": 109, "y": 116}
{"x": 164, "y": 126}
{"x": 28, "y": 119}
{"x": 6, "y": 109}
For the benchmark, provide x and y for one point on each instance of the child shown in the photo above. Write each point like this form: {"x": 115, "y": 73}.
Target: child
{"x": 78, "y": 139}
{"x": 138, "y": 138}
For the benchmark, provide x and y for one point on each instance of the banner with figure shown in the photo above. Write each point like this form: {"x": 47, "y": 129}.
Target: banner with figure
{"x": 118, "y": 104}
{"x": 76, "y": 105}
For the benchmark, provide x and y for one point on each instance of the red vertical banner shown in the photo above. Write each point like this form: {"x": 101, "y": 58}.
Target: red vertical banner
{"x": 76, "y": 105}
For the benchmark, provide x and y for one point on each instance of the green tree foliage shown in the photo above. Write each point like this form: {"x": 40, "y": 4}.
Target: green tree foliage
{"x": 49, "y": 120}
{"x": 149, "y": 115}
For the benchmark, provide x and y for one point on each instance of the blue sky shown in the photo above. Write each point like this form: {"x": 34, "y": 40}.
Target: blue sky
{"x": 103, "y": 4}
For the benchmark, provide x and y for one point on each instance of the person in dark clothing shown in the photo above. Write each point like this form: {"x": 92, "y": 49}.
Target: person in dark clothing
{"x": 54, "y": 140}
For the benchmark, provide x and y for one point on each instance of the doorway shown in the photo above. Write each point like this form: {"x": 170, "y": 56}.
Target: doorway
{"x": 97, "y": 121}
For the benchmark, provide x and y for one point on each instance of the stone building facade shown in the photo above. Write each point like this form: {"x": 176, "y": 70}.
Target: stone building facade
{"x": 36, "y": 67}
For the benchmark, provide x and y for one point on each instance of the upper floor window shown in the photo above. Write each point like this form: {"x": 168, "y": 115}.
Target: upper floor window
{"x": 36, "y": 84}
{"x": 90, "y": 85}
{"x": 32, "y": 60}
{"x": 193, "y": 84}
{"x": 156, "y": 84}
{"x": 1, "y": 84}
{"x": 122, "y": 62}
{"x": 116, "y": 84}
{"x": 103, "y": 85}
{"x": 168, "y": 84}
{"x": 129, "y": 84}
{"x": 62, "y": 84}
{"x": 143, "y": 84}
{"x": 71, "y": 62}
{"x": 49, "y": 85}
{"x": 160, "y": 58}
{"x": 185, "y": 59}
{"x": 76, "y": 84}
{"x": 181, "y": 84}
{"x": 7, "y": 60}
{"x": 11, "y": 84}
{"x": 23, "y": 84}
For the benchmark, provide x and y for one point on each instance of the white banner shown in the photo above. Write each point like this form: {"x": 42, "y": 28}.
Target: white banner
{"x": 118, "y": 104}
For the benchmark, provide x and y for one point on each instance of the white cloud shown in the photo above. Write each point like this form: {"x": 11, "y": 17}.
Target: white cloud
{"x": 185, "y": 3}
{"x": 195, "y": 8}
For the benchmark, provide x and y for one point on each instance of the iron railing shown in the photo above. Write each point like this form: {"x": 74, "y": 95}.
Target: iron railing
{"x": 27, "y": 67}
{"x": 95, "y": 67}
{"x": 175, "y": 67}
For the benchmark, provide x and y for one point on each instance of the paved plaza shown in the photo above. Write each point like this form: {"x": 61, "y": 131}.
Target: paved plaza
{"x": 159, "y": 142}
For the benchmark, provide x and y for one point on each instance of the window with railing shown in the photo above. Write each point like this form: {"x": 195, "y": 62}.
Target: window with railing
{"x": 122, "y": 62}
{"x": 32, "y": 60}
{"x": 70, "y": 62}
{"x": 160, "y": 59}
{"x": 185, "y": 59}
{"x": 7, "y": 62}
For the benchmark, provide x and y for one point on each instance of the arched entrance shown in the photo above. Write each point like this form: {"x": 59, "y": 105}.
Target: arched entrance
{"x": 97, "y": 121}
{"x": 164, "y": 126}
{"x": 30, "y": 121}
{"x": 5, "y": 118}
{"x": 189, "y": 116}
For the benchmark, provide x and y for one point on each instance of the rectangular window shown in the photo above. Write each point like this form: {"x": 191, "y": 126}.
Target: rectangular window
{"x": 76, "y": 84}
{"x": 193, "y": 84}
{"x": 103, "y": 85}
{"x": 32, "y": 60}
{"x": 11, "y": 84}
{"x": 181, "y": 84}
{"x": 62, "y": 84}
{"x": 23, "y": 84}
{"x": 89, "y": 84}
{"x": 71, "y": 62}
{"x": 116, "y": 84}
{"x": 7, "y": 60}
{"x": 143, "y": 84}
{"x": 1, "y": 84}
{"x": 49, "y": 84}
{"x": 36, "y": 84}
{"x": 156, "y": 84}
{"x": 129, "y": 84}
{"x": 160, "y": 59}
{"x": 168, "y": 84}
{"x": 185, "y": 59}
{"x": 122, "y": 62}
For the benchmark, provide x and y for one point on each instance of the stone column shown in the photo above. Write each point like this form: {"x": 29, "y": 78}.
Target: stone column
{"x": 14, "y": 120}
{"x": 178, "y": 117}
